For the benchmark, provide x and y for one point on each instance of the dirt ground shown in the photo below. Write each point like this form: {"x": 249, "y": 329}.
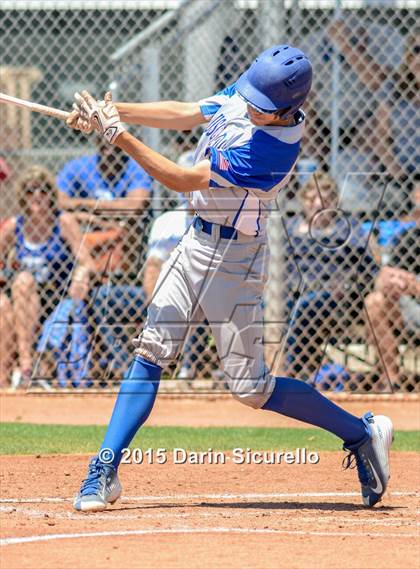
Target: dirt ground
{"x": 194, "y": 410}
{"x": 208, "y": 516}
{"x": 204, "y": 515}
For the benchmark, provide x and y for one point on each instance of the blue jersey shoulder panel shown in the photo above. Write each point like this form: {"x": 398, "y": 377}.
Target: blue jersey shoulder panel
{"x": 261, "y": 163}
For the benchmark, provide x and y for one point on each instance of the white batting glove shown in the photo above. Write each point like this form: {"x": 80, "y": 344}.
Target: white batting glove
{"x": 75, "y": 121}
{"x": 104, "y": 118}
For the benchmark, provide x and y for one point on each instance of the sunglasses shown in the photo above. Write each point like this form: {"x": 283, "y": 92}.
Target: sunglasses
{"x": 261, "y": 111}
{"x": 41, "y": 189}
{"x": 325, "y": 193}
{"x": 278, "y": 113}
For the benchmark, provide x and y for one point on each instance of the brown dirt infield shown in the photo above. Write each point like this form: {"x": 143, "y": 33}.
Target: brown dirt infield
{"x": 189, "y": 411}
{"x": 208, "y": 516}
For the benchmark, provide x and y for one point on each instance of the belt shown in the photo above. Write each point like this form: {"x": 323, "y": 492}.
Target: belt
{"x": 225, "y": 231}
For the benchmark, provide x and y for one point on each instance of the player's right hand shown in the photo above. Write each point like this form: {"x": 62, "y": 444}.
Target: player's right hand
{"x": 102, "y": 115}
{"x": 80, "y": 121}
{"x": 77, "y": 122}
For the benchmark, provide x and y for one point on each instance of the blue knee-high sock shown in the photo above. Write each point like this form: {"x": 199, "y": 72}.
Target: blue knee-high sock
{"x": 299, "y": 400}
{"x": 132, "y": 407}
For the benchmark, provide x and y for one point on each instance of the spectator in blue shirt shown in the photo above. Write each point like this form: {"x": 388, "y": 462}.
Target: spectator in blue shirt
{"x": 107, "y": 180}
{"x": 113, "y": 185}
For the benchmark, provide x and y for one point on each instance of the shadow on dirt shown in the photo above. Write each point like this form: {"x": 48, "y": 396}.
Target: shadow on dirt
{"x": 319, "y": 506}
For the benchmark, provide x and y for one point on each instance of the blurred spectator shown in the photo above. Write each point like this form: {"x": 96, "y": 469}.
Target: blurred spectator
{"x": 384, "y": 233}
{"x": 6, "y": 320}
{"x": 398, "y": 121}
{"x": 114, "y": 185}
{"x": 114, "y": 308}
{"x": 359, "y": 176}
{"x": 117, "y": 189}
{"x": 389, "y": 142}
{"x": 413, "y": 215}
{"x": 365, "y": 53}
{"x": 394, "y": 306}
{"x": 108, "y": 180}
{"x": 372, "y": 50}
{"x": 316, "y": 141}
{"x": 328, "y": 270}
{"x": 352, "y": 57}
{"x": 40, "y": 247}
{"x": 117, "y": 302}
{"x": 167, "y": 230}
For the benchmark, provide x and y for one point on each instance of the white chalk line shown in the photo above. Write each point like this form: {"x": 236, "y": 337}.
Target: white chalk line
{"x": 110, "y": 516}
{"x": 179, "y": 497}
{"x": 126, "y": 533}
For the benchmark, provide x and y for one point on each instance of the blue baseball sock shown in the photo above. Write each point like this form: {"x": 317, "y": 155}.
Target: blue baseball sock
{"x": 299, "y": 400}
{"x": 132, "y": 407}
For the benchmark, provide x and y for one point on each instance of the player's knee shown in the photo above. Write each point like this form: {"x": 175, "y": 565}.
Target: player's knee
{"x": 253, "y": 393}
{"x": 254, "y": 400}
{"x": 153, "y": 345}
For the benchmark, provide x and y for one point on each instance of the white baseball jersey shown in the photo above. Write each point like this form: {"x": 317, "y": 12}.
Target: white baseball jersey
{"x": 249, "y": 164}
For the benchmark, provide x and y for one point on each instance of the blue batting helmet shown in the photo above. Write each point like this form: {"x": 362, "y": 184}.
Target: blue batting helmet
{"x": 280, "y": 78}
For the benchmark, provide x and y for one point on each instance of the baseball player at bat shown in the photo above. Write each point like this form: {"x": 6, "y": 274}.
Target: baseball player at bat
{"x": 245, "y": 156}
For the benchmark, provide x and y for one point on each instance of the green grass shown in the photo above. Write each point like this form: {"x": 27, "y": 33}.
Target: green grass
{"x": 25, "y": 438}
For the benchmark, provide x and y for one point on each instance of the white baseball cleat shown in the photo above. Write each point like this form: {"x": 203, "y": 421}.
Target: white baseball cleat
{"x": 100, "y": 488}
{"x": 372, "y": 458}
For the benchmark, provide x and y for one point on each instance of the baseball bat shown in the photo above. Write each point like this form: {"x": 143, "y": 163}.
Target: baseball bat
{"x": 35, "y": 107}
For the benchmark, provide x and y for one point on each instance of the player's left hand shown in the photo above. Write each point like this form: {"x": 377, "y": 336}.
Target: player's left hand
{"x": 103, "y": 117}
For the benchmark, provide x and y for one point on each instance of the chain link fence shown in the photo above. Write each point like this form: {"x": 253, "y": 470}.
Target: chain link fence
{"x": 342, "y": 298}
